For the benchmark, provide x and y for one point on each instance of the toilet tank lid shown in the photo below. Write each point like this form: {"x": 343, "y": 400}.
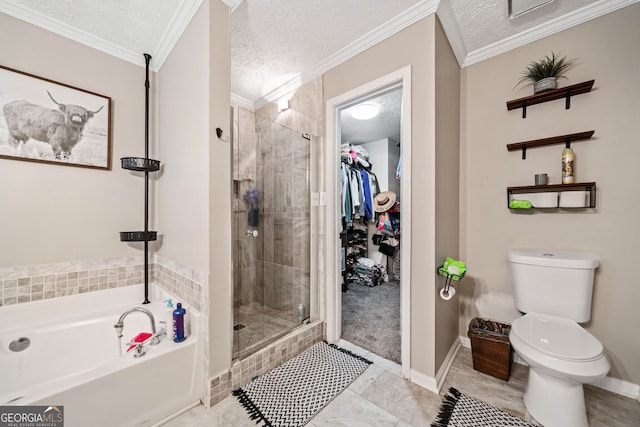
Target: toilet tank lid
{"x": 553, "y": 258}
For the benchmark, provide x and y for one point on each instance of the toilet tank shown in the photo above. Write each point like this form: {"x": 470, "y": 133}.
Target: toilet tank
{"x": 553, "y": 282}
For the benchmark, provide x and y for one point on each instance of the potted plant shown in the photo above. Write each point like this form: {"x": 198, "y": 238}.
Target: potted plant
{"x": 543, "y": 74}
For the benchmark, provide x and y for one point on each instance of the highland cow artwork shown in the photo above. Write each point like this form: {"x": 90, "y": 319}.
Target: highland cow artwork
{"x": 49, "y": 122}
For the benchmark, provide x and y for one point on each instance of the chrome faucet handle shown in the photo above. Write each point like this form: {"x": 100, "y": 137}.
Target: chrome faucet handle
{"x": 139, "y": 350}
{"x": 162, "y": 332}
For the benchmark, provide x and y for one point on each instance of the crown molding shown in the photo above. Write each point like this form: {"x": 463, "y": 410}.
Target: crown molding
{"x": 176, "y": 27}
{"x": 233, "y": 4}
{"x": 179, "y": 22}
{"x": 53, "y": 25}
{"x": 451, "y": 29}
{"x": 242, "y": 102}
{"x": 587, "y": 13}
{"x": 389, "y": 28}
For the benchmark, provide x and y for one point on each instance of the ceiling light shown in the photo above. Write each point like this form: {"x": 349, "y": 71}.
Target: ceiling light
{"x": 520, "y": 7}
{"x": 364, "y": 111}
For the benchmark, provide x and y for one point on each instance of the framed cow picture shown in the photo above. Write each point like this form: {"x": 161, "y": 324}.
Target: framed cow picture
{"x": 50, "y": 122}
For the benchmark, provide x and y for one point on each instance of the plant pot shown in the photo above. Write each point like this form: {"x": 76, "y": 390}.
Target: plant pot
{"x": 548, "y": 83}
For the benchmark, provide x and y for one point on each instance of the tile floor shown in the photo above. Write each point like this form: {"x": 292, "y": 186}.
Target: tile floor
{"x": 262, "y": 325}
{"x": 380, "y": 397}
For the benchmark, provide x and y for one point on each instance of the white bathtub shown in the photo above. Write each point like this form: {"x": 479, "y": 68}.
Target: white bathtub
{"x": 74, "y": 360}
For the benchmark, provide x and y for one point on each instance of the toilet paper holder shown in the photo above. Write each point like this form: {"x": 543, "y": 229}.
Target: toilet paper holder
{"x": 447, "y": 292}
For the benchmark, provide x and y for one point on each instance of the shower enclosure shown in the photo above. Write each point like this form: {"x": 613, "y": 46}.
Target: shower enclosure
{"x": 272, "y": 231}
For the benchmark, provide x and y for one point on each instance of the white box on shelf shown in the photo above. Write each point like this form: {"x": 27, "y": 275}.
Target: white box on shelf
{"x": 573, "y": 199}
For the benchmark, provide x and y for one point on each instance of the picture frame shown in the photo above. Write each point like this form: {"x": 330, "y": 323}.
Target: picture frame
{"x": 45, "y": 121}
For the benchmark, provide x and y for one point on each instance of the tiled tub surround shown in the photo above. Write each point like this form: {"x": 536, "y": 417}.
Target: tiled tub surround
{"x": 46, "y": 281}
{"x": 29, "y": 283}
{"x": 266, "y": 359}
{"x": 94, "y": 380}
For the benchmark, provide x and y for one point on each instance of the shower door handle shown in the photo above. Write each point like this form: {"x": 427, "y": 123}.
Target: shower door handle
{"x": 251, "y": 233}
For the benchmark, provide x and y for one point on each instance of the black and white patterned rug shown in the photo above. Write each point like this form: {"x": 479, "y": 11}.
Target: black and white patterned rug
{"x": 459, "y": 410}
{"x": 293, "y": 393}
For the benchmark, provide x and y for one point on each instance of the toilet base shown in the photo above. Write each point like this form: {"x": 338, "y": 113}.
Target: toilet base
{"x": 555, "y": 402}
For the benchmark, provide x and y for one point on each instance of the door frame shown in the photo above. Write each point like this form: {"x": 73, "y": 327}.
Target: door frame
{"x": 332, "y": 275}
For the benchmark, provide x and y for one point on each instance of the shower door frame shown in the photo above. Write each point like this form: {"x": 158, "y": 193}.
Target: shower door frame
{"x": 332, "y": 277}
{"x": 311, "y": 309}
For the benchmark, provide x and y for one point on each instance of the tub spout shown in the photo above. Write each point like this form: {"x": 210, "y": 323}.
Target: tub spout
{"x": 119, "y": 326}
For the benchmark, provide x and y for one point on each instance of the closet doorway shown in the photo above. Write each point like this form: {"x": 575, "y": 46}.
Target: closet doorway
{"x": 368, "y": 297}
{"x": 370, "y": 214}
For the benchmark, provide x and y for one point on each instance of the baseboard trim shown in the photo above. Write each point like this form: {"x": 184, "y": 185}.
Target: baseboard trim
{"x": 424, "y": 381}
{"x": 614, "y": 385}
{"x": 434, "y": 384}
{"x": 441, "y": 375}
{"x": 618, "y": 386}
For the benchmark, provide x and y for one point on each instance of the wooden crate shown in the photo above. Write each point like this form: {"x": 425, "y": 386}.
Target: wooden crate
{"x": 491, "y": 348}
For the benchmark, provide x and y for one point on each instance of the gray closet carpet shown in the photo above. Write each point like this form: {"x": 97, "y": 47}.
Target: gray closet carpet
{"x": 371, "y": 318}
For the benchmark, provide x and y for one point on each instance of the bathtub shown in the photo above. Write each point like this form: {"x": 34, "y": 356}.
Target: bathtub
{"x": 74, "y": 360}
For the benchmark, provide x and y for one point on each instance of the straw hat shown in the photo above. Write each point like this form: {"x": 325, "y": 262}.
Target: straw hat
{"x": 384, "y": 201}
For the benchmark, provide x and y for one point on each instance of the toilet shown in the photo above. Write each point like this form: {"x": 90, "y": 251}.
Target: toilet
{"x": 554, "y": 290}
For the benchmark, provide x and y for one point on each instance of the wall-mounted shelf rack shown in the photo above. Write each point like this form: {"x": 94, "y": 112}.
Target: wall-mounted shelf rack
{"x": 590, "y": 187}
{"x": 562, "y": 139}
{"x": 550, "y": 95}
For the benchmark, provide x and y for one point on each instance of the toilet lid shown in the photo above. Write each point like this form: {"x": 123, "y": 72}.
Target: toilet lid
{"x": 557, "y": 336}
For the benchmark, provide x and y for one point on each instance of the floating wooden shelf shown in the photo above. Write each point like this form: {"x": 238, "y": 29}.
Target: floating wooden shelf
{"x": 578, "y": 186}
{"x": 562, "y": 139}
{"x": 550, "y": 95}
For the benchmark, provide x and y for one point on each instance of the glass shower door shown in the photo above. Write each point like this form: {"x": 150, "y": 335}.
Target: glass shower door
{"x": 272, "y": 196}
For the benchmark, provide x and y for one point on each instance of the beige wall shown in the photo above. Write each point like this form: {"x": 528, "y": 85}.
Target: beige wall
{"x": 447, "y": 169}
{"x": 220, "y": 277}
{"x": 194, "y": 200}
{"x": 183, "y": 140}
{"x": 606, "y": 49}
{"x": 390, "y": 55}
{"x": 51, "y": 213}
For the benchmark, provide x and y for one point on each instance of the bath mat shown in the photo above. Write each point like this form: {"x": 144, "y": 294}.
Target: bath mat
{"x": 293, "y": 393}
{"x": 458, "y": 410}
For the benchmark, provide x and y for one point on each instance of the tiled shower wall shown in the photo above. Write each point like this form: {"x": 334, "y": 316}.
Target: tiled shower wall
{"x": 283, "y": 167}
{"x": 245, "y": 264}
{"x": 270, "y": 154}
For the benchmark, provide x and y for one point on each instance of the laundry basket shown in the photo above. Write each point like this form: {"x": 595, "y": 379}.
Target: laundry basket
{"x": 490, "y": 347}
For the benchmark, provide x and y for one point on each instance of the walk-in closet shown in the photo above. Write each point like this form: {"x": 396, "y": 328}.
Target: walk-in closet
{"x": 370, "y": 218}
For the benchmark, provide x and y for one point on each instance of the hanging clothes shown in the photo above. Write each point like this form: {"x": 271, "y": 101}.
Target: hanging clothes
{"x": 368, "y": 200}
{"x": 359, "y": 187}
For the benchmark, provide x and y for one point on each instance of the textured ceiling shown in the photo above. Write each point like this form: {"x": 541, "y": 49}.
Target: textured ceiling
{"x": 482, "y": 23}
{"x": 385, "y": 125}
{"x": 278, "y": 44}
{"x": 146, "y": 21}
{"x": 274, "y": 41}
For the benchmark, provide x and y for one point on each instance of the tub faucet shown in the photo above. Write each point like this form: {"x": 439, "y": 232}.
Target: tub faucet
{"x": 155, "y": 338}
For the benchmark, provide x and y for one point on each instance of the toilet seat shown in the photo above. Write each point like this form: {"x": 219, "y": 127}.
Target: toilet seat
{"x": 557, "y": 337}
